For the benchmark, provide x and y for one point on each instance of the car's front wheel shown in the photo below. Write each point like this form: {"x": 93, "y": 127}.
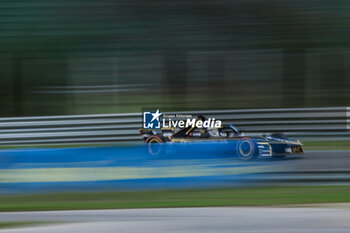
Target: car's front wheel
{"x": 246, "y": 149}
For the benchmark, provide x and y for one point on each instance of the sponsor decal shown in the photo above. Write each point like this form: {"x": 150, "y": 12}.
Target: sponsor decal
{"x": 151, "y": 120}
{"x": 157, "y": 120}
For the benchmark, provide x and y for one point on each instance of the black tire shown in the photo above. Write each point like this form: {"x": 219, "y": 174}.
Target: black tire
{"x": 246, "y": 149}
{"x": 154, "y": 145}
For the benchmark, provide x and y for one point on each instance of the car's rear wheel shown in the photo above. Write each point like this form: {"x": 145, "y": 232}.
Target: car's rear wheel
{"x": 154, "y": 144}
{"x": 246, "y": 149}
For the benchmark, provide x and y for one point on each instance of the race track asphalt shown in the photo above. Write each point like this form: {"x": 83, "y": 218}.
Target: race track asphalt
{"x": 223, "y": 219}
{"x": 332, "y": 219}
{"x": 320, "y": 161}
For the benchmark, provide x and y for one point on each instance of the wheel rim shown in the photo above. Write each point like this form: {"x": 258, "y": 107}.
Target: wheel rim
{"x": 246, "y": 148}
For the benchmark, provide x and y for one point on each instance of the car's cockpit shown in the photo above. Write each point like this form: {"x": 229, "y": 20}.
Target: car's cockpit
{"x": 225, "y": 131}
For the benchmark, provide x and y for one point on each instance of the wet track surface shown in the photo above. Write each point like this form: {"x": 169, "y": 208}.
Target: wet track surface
{"x": 223, "y": 219}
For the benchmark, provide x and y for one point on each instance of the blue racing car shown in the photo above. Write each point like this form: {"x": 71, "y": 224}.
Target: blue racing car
{"x": 245, "y": 147}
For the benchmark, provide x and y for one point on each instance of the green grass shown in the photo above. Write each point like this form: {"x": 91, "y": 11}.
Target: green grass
{"x": 252, "y": 196}
{"x": 327, "y": 145}
{"x": 4, "y": 225}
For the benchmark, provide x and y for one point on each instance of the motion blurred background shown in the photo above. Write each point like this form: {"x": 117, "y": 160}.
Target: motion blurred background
{"x": 84, "y": 57}
{"x": 81, "y": 72}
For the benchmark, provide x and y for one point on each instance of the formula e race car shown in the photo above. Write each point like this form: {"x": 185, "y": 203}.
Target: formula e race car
{"x": 245, "y": 147}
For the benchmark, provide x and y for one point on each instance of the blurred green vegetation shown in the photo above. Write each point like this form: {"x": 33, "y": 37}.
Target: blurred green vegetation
{"x": 327, "y": 145}
{"x": 77, "y": 57}
{"x": 249, "y": 196}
